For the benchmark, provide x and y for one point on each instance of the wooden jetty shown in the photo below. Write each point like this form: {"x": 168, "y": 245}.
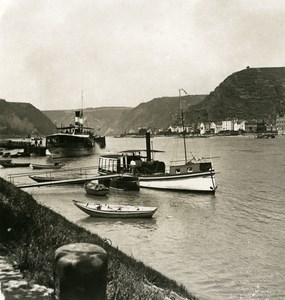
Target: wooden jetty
{"x": 75, "y": 180}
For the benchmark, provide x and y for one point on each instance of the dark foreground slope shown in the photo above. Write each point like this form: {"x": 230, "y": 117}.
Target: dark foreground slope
{"x": 22, "y": 119}
{"x": 31, "y": 233}
{"x": 253, "y": 93}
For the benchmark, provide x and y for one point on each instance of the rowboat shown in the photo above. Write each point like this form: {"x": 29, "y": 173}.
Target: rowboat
{"x": 115, "y": 211}
{"x": 48, "y": 177}
{"x": 5, "y": 160}
{"x": 56, "y": 165}
{"x": 14, "y": 165}
{"x": 95, "y": 188}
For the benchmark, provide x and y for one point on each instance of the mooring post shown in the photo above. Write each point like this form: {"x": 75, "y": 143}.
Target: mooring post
{"x": 80, "y": 272}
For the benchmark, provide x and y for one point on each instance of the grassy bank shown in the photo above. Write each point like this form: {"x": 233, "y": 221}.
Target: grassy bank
{"x": 30, "y": 234}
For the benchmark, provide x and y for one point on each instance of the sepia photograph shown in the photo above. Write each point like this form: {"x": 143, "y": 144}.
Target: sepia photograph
{"x": 142, "y": 149}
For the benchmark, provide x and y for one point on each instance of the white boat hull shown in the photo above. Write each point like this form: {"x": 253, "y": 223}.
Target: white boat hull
{"x": 201, "y": 182}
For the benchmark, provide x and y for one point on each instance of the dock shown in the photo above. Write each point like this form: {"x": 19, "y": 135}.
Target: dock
{"x": 66, "y": 181}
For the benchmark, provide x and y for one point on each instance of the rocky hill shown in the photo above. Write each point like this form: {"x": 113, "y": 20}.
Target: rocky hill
{"x": 253, "y": 93}
{"x": 23, "y": 119}
{"x": 104, "y": 120}
{"x": 157, "y": 113}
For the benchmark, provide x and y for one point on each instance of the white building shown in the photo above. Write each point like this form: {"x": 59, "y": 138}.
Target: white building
{"x": 227, "y": 125}
{"x": 202, "y": 128}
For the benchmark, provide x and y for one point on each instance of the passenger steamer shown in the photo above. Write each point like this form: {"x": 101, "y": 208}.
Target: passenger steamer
{"x": 74, "y": 140}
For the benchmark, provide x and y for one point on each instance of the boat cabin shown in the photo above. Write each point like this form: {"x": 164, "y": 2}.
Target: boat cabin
{"x": 191, "y": 167}
{"x": 135, "y": 163}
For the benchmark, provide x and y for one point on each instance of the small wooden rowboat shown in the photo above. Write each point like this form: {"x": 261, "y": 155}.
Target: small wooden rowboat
{"x": 56, "y": 165}
{"x": 95, "y": 188}
{"x": 115, "y": 211}
{"x": 14, "y": 165}
{"x": 5, "y": 160}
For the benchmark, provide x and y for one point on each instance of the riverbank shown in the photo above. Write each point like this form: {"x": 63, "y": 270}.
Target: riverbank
{"x": 31, "y": 233}
{"x": 14, "y": 286}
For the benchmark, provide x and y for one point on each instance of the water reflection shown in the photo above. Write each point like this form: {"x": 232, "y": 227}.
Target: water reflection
{"x": 148, "y": 223}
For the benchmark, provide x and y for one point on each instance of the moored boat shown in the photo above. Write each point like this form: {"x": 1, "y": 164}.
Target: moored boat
{"x": 51, "y": 178}
{"x": 193, "y": 175}
{"x": 115, "y": 211}
{"x": 14, "y": 165}
{"x": 126, "y": 182}
{"x": 95, "y": 188}
{"x": 56, "y": 165}
{"x": 74, "y": 140}
{"x": 5, "y": 160}
{"x": 264, "y": 135}
{"x": 114, "y": 164}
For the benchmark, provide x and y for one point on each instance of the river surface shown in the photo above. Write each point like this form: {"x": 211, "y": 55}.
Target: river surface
{"x": 230, "y": 245}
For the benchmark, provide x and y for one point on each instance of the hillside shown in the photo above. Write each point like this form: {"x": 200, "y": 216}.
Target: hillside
{"x": 104, "y": 120}
{"x": 253, "y": 93}
{"x": 157, "y": 113}
{"x": 22, "y": 119}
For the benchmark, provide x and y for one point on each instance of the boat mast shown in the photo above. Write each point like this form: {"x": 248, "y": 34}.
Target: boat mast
{"x": 81, "y": 114}
{"x": 182, "y": 121}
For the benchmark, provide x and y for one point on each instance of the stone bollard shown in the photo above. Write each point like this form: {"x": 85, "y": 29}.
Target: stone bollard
{"x": 80, "y": 272}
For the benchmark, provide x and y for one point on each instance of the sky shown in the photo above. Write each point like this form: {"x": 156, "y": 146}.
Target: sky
{"x": 68, "y": 54}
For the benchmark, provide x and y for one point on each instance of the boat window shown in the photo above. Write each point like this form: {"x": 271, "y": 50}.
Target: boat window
{"x": 114, "y": 166}
{"x": 100, "y": 163}
{"x": 177, "y": 171}
{"x": 189, "y": 170}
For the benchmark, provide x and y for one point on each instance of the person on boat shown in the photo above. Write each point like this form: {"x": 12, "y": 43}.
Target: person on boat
{"x": 133, "y": 166}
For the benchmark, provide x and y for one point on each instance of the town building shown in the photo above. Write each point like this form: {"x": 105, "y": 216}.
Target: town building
{"x": 280, "y": 123}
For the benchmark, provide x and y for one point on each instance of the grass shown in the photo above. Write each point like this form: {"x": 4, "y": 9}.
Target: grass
{"x": 30, "y": 233}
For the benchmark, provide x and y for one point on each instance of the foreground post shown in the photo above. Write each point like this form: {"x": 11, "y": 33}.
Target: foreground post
{"x": 80, "y": 272}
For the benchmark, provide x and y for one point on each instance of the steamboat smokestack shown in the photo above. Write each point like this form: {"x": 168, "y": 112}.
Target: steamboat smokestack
{"x": 77, "y": 116}
{"x": 148, "y": 151}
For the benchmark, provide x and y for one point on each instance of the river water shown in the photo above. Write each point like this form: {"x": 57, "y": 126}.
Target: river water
{"x": 229, "y": 245}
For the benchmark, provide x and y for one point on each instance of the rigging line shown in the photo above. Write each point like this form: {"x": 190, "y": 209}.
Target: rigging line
{"x": 183, "y": 127}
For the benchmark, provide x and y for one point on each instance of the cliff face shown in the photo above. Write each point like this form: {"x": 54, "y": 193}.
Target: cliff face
{"x": 253, "y": 93}
{"x": 23, "y": 119}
